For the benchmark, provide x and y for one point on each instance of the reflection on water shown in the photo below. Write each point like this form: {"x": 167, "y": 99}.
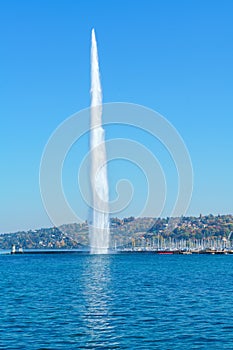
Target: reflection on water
{"x": 98, "y": 299}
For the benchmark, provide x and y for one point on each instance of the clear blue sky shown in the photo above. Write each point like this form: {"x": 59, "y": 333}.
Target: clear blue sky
{"x": 172, "y": 56}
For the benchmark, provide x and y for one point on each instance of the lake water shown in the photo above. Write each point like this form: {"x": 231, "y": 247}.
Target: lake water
{"x": 128, "y": 301}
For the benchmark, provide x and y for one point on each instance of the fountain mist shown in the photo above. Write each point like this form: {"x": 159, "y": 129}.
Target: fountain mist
{"x": 99, "y": 225}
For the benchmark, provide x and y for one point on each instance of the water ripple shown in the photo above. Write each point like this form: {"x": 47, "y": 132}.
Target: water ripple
{"x": 115, "y": 302}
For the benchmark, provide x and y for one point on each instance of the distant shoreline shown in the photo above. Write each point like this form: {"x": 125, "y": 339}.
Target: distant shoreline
{"x": 156, "y": 252}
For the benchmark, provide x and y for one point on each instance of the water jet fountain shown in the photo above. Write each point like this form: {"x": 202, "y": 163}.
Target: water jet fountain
{"x": 99, "y": 225}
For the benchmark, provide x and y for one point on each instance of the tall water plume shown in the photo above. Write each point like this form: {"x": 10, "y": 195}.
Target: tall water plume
{"x": 99, "y": 225}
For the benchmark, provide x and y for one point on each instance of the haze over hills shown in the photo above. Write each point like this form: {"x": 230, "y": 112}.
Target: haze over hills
{"x": 123, "y": 231}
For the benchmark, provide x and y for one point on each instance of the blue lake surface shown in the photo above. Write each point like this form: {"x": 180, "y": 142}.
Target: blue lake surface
{"x": 128, "y": 301}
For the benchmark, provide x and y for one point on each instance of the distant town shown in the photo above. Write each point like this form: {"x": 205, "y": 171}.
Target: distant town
{"x": 185, "y": 233}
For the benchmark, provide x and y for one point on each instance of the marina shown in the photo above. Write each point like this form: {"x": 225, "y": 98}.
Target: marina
{"x": 126, "y": 250}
